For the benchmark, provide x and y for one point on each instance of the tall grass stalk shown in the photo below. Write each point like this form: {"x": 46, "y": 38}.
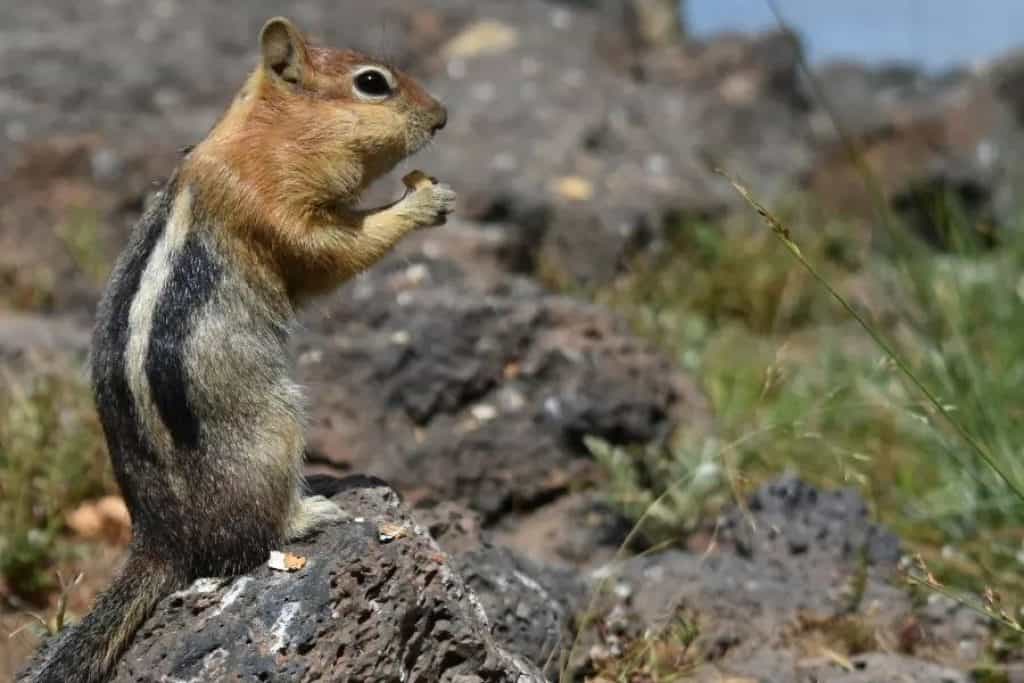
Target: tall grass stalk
{"x": 783, "y": 233}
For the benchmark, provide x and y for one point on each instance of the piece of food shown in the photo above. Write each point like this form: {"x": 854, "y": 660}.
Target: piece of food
{"x": 285, "y": 562}
{"x": 417, "y": 180}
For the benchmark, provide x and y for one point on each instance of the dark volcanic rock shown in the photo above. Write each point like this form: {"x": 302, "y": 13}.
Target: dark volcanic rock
{"x": 364, "y": 608}
{"x": 785, "y": 578}
{"x": 530, "y": 605}
{"x": 792, "y": 518}
{"x": 389, "y": 596}
{"x": 476, "y": 393}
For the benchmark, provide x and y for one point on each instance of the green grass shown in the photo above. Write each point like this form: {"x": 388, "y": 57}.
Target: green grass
{"x": 52, "y": 457}
{"x": 795, "y": 382}
{"x": 668, "y": 655}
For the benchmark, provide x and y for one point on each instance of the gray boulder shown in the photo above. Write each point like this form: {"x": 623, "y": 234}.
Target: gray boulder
{"x": 377, "y": 600}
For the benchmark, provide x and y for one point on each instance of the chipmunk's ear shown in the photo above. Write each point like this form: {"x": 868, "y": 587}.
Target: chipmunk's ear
{"x": 284, "y": 50}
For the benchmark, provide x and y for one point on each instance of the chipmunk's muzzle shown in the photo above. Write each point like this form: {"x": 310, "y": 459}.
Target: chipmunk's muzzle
{"x": 441, "y": 121}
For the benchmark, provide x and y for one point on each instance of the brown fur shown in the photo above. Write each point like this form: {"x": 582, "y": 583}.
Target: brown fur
{"x": 288, "y": 161}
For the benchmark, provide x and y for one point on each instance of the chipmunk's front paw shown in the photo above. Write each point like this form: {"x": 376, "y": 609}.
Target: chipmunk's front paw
{"x": 432, "y": 204}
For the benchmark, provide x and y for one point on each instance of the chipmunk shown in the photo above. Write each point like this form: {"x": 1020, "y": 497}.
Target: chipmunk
{"x": 189, "y": 362}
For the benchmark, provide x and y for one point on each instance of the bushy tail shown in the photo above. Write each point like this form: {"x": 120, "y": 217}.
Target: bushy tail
{"x": 88, "y": 651}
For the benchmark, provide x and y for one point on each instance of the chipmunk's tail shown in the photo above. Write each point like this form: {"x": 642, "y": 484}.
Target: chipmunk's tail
{"x": 88, "y": 651}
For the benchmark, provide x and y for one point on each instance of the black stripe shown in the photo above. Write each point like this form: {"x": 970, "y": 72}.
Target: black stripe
{"x": 192, "y": 282}
{"x": 110, "y": 340}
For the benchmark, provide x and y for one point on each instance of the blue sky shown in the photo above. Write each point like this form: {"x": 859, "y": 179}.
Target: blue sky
{"x": 935, "y": 33}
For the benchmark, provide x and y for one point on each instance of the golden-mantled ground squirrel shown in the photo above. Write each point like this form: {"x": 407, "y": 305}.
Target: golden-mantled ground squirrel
{"x": 189, "y": 360}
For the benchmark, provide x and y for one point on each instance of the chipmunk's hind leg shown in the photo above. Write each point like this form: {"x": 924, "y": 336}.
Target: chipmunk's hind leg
{"x": 311, "y": 514}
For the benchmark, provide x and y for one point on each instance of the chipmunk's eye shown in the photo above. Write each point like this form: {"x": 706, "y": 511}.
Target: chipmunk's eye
{"x": 373, "y": 83}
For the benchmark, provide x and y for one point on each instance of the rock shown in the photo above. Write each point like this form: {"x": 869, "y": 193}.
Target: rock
{"x": 774, "y": 597}
{"x": 476, "y": 391}
{"x": 529, "y": 604}
{"x": 791, "y": 519}
{"x": 435, "y": 599}
{"x": 926, "y": 140}
{"x": 742, "y": 68}
{"x": 362, "y": 608}
{"x": 547, "y": 133}
{"x": 1006, "y": 74}
{"x": 579, "y": 529}
{"x": 597, "y": 159}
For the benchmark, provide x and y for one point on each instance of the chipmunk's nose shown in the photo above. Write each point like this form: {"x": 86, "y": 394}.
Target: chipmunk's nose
{"x": 442, "y": 120}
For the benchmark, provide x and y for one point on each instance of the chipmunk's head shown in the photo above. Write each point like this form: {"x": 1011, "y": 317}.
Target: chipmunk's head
{"x": 325, "y": 123}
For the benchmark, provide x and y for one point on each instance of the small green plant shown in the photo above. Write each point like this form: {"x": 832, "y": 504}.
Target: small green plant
{"x": 59, "y": 620}
{"x": 1006, "y": 475}
{"x": 965, "y": 363}
{"x": 666, "y": 656}
{"x": 668, "y": 488}
{"x": 81, "y": 234}
{"x": 52, "y": 457}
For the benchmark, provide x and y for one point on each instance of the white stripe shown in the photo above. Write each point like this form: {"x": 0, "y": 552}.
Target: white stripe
{"x": 140, "y": 317}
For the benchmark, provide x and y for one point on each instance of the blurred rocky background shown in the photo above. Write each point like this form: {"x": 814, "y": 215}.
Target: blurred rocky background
{"x": 634, "y": 440}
